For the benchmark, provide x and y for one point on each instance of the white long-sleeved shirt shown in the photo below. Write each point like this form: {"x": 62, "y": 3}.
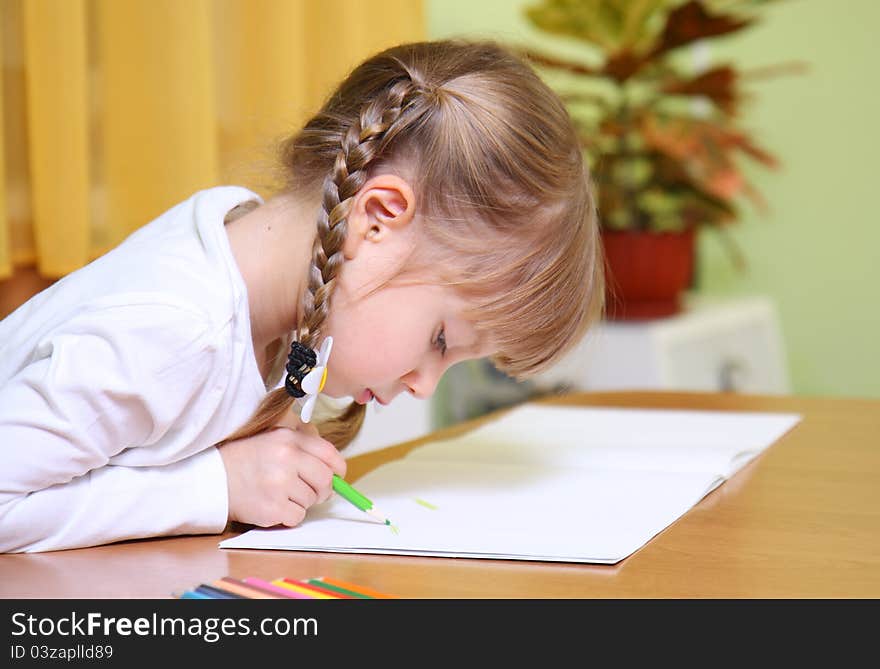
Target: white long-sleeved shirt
{"x": 117, "y": 381}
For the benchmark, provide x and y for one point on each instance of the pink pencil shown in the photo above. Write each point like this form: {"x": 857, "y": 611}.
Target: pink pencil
{"x": 268, "y": 587}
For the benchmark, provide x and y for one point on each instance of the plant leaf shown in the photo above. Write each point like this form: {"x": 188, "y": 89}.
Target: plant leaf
{"x": 556, "y": 63}
{"x": 692, "y": 22}
{"x": 623, "y": 65}
{"x": 718, "y": 84}
{"x": 611, "y": 25}
{"x": 705, "y": 151}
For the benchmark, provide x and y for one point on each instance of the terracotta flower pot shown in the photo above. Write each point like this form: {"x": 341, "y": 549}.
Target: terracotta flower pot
{"x": 646, "y": 272}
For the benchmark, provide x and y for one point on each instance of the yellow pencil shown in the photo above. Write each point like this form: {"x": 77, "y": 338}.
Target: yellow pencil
{"x": 302, "y": 589}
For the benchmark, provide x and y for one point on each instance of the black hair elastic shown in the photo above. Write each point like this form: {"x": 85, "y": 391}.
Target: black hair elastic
{"x": 299, "y": 363}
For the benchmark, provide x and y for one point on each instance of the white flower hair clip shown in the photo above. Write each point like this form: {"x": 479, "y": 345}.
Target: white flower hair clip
{"x": 307, "y": 374}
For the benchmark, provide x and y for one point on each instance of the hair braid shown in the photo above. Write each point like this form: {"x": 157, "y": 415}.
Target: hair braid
{"x": 507, "y": 214}
{"x": 360, "y": 144}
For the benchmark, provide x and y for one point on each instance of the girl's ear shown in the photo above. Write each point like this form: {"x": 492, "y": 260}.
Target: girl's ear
{"x": 384, "y": 206}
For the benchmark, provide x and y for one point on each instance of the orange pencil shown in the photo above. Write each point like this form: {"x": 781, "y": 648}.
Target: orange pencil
{"x": 369, "y": 592}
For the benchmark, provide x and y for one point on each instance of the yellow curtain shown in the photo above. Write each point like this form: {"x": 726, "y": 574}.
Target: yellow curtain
{"x": 114, "y": 110}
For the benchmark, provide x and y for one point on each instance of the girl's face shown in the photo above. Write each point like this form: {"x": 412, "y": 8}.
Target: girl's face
{"x": 391, "y": 335}
{"x": 399, "y": 338}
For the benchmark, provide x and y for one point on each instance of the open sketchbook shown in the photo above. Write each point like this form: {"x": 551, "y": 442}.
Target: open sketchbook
{"x": 566, "y": 484}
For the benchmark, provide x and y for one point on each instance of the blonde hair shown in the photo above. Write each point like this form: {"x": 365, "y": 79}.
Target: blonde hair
{"x": 500, "y": 184}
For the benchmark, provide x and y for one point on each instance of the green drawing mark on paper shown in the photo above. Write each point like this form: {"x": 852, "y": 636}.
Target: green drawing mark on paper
{"x": 427, "y": 505}
{"x": 394, "y": 529}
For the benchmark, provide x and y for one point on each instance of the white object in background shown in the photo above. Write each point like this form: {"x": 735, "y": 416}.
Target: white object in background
{"x": 715, "y": 344}
{"x": 404, "y": 419}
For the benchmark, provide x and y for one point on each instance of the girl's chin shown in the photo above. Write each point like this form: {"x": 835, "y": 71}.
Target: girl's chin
{"x": 364, "y": 396}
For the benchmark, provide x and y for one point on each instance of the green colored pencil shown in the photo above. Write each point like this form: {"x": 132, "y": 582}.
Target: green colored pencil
{"x": 341, "y": 591}
{"x": 360, "y": 501}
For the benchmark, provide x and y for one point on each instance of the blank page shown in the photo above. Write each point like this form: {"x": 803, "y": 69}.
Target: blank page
{"x": 539, "y": 483}
{"x": 668, "y": 440}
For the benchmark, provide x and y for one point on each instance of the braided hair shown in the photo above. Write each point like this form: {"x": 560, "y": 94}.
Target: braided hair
{"x": 491, "y": 146}
{"x": 358, "y": 145}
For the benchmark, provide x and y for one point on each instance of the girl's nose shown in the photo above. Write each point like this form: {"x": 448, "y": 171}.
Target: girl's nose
{"x": 423, "y": 382}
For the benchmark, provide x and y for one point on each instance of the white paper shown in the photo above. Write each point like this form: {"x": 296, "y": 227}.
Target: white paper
{"x": 540, "y": 483}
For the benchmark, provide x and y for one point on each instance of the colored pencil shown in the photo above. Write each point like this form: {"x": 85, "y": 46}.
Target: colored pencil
{"x": 251, "y": 587}
{"x": 216, "y": 593}
{"x": 342, "y": 591}
{"x": 358, "y": 589}
{"x": 348, "y": 492}
{"x": 268, "y": 587}
{"x": 192, "y": 594}
{"x": 238, "y": 587}
{"x": 334, "y": 593}
{"x": 296, "y": 587}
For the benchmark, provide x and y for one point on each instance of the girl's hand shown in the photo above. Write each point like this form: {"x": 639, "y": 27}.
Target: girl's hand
{"x": 274, "y": 476}
{"x": 291, "y": 419}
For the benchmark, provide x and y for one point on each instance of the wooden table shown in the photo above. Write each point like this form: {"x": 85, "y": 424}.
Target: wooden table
{"x": 800, "y": 521}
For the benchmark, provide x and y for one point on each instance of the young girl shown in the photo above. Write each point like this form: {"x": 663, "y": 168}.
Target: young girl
{"x": 167, "y": 387}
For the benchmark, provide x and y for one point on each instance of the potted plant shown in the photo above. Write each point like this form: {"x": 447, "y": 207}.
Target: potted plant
{"x": 661, "y": 134}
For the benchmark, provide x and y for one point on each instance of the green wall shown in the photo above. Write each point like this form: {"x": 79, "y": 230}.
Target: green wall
{"x": 817, "y": 251}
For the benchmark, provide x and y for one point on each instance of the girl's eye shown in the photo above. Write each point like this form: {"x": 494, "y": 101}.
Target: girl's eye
{"x": 440, "y": 341}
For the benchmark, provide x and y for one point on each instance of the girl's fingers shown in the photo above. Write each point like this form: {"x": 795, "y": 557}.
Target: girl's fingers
{"x": 324, "y": 451}
{"x": 302, "y": 493}
{"x": 317, "y": 476}
{"x": 292, "y": 514}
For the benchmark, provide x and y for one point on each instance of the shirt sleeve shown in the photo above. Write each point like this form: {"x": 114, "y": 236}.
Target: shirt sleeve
{"x": 110, "y": 379}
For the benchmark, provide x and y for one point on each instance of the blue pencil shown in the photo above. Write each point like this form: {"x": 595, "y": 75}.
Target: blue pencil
{"x": 192, "y": 594}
